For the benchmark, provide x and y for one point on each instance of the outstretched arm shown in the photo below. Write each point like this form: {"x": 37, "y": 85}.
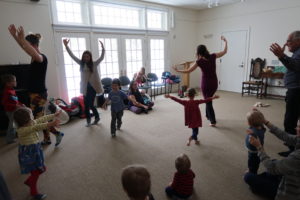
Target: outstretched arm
{"x": 97, "y": 62}
{"x": 222, "y": 53}
{"x": 77, "y": 60}
{"x": 19, "y": 36}
{"x": 190, "y": 69}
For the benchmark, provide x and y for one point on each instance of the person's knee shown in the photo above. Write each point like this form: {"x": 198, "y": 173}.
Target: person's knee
{"x": 248, "y": 177}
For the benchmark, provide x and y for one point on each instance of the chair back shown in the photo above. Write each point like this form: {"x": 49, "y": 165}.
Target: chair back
{"x": 124, "y": 80}
{"x": 165, "y": 75}
{"x": 106, "y": 83}
{"x": 257, "y": 66}
{"x": 152, "y": 77}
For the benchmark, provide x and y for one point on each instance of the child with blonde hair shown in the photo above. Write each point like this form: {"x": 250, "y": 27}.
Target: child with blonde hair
{"x": 183, "y": 181}
{"x": 192, "y": 112}
{"x": 31, "y": 157}
{"x": 136, "y": 182}
{"x": 256, "y": 129}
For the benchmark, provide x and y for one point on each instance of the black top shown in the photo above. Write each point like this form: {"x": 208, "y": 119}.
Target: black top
{"x": 38, "y": 76}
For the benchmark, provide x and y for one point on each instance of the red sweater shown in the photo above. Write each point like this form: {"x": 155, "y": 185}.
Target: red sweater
{"x": 183, "y": 182}
{"x": 10, "y": 99}
{"x": 192, "y": 115}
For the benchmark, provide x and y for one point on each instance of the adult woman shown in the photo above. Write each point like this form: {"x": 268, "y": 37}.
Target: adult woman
{"x": 270, "y": 183}
{"x": 209, "y": 82}
{"x": 37, "y": 81}
{"x": 137, "y": 103}
{"x": 90, "y": 83}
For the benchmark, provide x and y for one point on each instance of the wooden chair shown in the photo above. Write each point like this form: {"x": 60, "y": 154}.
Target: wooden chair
{"x": 255, "y": 84}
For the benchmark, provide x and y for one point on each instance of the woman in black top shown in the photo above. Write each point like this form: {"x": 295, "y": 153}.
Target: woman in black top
{"x": 37, "y": 86}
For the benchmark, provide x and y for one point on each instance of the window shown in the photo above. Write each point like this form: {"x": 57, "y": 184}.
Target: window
{"x": 68, "y": 11}
{"x": 157, "y": 52}
{"x": 156, "y": 20}
{"x": 117, "y": 16}
{"x": 134, "y": 57}
{"x": 72, "y": 69}
{"x": 109, "y": 67}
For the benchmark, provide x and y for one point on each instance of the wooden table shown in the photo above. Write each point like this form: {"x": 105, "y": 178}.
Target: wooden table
{"x": 266, "y": 76}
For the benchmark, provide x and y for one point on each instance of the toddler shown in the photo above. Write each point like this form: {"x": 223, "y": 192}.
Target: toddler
{"x": 192, "y": 112}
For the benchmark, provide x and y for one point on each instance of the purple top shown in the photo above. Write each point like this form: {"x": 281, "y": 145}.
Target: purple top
{"x": 209, "y": 83}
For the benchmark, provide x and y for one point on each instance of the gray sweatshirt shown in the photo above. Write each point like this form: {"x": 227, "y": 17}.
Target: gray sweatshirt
{"x": 289, "y": 168}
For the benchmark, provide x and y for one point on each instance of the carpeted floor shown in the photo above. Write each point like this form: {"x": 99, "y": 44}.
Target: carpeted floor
{"x": 88, "y": 163}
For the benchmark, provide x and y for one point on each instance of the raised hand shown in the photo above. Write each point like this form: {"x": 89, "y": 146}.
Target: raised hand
{"x": 223, "y": 38}
{"x": 66, "y": 42}
{"x": 102, "y": 45}
{"x": 12, "y": 29}
{"x": 20, "y": 33}
{"x": 277, "y": 50}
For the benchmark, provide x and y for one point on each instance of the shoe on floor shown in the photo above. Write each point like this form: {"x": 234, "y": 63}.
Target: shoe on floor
{"x": 285, "y": 153}
{"x": 59, "y": 137}
{"x": 96, "y": 121}
{"x": 113, "y": 135}
{"x": 39, "y": 196}
{"x": 46, "y": 142}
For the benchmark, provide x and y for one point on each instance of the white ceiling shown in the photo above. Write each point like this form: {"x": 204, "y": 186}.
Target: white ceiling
{"x": 194, "y": 4}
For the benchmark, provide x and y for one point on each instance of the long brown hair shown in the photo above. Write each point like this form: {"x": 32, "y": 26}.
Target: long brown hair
{"x": 89, "y": 63}
{"x": 202, "y": 51}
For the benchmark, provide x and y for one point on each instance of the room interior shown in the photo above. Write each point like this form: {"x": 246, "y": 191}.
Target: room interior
{"x": 88, "y": 163}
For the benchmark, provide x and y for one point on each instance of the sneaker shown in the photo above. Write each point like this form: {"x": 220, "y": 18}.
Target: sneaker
{"x": 285, "y": 153}
{"x": 46, "y": 142}
{"x": 39, "y": 196}
{"x": 96, "y": 121}
{"x": 59, "y": 137}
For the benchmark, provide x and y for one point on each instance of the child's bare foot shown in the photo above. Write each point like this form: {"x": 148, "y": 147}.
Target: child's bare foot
{"x": 212, "y": 125}
{"x": 189, "y": 141}
{"x": 197, "y": 142}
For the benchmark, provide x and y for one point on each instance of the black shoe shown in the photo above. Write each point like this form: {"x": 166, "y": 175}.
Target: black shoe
{"x": 285, "y": 153}
{"x": 96, "y": 121}
{"x": 46, "y": 142}
{"x": 39, "y": 196}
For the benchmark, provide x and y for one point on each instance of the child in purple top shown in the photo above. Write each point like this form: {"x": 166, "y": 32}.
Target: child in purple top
{"x": 209, "y": 83}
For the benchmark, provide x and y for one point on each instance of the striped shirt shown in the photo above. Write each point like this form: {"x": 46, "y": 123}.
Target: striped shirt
{"x": 183, "y": 182}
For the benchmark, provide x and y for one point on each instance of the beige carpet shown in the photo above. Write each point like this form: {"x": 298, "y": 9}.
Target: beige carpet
{"x": 87, "y": 165}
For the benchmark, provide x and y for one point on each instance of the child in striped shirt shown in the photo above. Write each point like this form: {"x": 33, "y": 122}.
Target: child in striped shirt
{"x": 183, "y": 181}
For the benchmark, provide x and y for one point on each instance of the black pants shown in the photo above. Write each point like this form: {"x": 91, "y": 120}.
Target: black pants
{"x": 253, "y": 162}
{"x": 263, "y": 184}
{"x": 89, "y": 99}
{"x": 292, "y": 111}
{"x": 116, "y": 117}
{"x": 210, "y": 113}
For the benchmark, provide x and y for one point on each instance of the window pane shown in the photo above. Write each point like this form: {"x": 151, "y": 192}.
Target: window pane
{"x": 157, "y": 56}
{"x": 68, "y": 11}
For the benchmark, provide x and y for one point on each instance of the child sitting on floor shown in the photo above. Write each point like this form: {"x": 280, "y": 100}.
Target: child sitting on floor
{"x": 183, "y": 181}
{"x": 136, "y": 182}
{"x": 192, "y": 112}
{"x": 255, "y": 120}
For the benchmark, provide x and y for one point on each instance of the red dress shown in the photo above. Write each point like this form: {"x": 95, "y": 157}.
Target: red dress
{"x": 192, "y": 115}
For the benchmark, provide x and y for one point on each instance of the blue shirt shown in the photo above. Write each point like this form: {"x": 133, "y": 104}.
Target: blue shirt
{"x": 117, "y": 100}
{"x": 292, "y": 76}
{"x": 257, "y": 133}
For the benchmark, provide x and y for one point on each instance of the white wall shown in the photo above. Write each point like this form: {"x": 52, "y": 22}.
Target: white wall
{"x": 269, "y": 21}
{"x": 34, "y": 17}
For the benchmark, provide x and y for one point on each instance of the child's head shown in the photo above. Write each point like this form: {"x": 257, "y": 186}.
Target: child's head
{"x": 9, "y": 80}
{"x": 136, "y": 182}
{"x": 143, "y": 70}
{"x": 255, "y": 118}
{"x": 116, "y": 84}
{"x": 182, "y": 163}
{"x": 23, "y": 116}
{"x": 191, "y": 93}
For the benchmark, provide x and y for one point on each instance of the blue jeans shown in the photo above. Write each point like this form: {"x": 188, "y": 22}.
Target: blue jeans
{"x": 11, "y": 131}
{"x": 170, "y": 192}
{"x": 89, "y": 100}
{"x": 263, "y": 184}
{"x": 195, "y": 133}
{"x": 253, "y": 162}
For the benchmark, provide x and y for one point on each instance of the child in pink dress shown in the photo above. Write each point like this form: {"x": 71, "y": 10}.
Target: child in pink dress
{"x": 192, "y": 112}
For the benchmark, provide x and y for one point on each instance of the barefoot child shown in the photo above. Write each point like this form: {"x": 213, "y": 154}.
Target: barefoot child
{"x": 31, "y": 157}
{"x": 192, "y": 112}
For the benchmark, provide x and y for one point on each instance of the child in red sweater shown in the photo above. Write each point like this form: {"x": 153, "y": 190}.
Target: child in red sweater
{"x": 10, "y": 104}
{"x": 192, "y": 112}
{"x": 183, "y": 181}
